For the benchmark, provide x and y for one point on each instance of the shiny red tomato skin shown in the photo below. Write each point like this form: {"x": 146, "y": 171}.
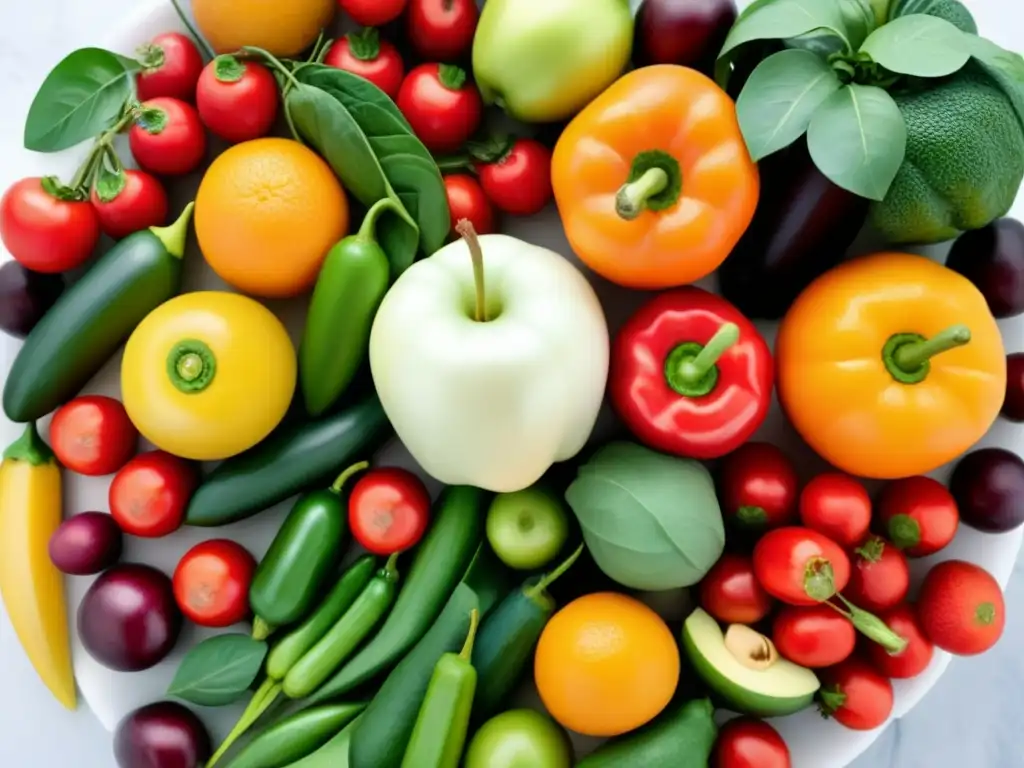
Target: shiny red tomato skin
{"x": 238, "y": 102}
{"x": 466, "y": 200}
{"x": 918, "y": 514}
{"x": 520, "y": 182}
{"x": 176, "y": 74}
{"x": 746, "y": 742}
{"x": 150, "y": 494}
{"x": 44, "y": 233}
{"x": 211, "y": 583}
{"x": 790, "y": 561}
{"x": 388, "y": 510}
{"x": 169, "y": 145}
{"x": 813, "y": 636}
{"x": 918, "y": 654}
{"x": 731, "y": 593}
{"x": 92, "y": 435}
{"x": 442, "y": 30}
{"x": 758, "y": 488}
{"x": 879, "y": 577}
{"x": 838, "y": 506}
{"x": 868, "y": 694}
{"x": 386, "y": 71}
{"x": 373, "y": 13}
{"x": 961, "y": 608}
{"x": 140, "y": 205}
{"x": 443, "y": 117}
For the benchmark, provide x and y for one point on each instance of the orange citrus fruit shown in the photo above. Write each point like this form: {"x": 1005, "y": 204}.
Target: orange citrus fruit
{"x": 267, "y": 213}
{"x": 284, "y": 28}
{"x": 606, "y": 664}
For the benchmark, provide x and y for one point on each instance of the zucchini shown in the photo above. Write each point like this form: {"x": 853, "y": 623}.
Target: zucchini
{"x": 333, "y": 754}
{"x": 387, "y": 723}
{"x": 295, "y": 458}
{"x": 297, "y": 737}
{"x": 439, "y": 564}
{"x": 93, "y": 318}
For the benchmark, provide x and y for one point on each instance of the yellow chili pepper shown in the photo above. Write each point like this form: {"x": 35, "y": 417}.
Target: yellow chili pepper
{"x": 31, "y": 586}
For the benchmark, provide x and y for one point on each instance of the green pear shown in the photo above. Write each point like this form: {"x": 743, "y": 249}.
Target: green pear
{"x": 544, "y": 60}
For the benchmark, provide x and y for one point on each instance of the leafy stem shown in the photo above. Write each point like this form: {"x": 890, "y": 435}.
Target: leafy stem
{"x": 274, "y": 62}
{"x": 192, "y": 30}
{"x": 103, "y": 146}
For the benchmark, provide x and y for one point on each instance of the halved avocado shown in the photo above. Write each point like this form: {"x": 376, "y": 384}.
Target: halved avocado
{"x": 755, "y": 683}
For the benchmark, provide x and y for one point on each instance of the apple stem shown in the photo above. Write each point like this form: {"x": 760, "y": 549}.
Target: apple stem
{"x": 476, "y": 253}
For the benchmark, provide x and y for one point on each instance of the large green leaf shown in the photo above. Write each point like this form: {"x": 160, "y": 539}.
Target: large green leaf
{"x": 858, "y": 139}
{"x": 1006, "y": 69}
{"x": 783, "y": 19}
{"x": 952, "y": 11}
{"x": 918, "y": 45}
{"x": 219, "y": 670}
{"x": 858, "y": 23}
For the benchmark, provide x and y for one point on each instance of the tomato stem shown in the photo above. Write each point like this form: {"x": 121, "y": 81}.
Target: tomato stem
{"x": 344, "y": 477}
{"x": 819, "y": 580}
{"x": 872, "y": 627}
{"x": 465, "y": 228}
{"x": 904, "y": 531}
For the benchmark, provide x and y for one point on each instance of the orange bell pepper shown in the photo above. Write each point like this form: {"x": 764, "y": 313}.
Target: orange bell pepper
{"x": 890, "y": 366}
{"x": 653, "y": 181}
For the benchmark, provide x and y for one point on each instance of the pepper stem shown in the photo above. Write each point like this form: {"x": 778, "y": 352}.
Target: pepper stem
{"x": 697, "y": 368}
{"x": 261, "y": 630}
{"x": 550, "y": 578}
{"x": 467, "y": 649}
{"x": 367, "y": 230}
{"x": 910, "y": 357}
{"x": 30, "y": 448}
{"x": 343, "y": 478}
{"x": 391, "y": 566}
{"x": 632, "y": 197}
{"x": 191, "y": 366}
{"x": 476, "y": 253}
{"x": 174, "y": 236}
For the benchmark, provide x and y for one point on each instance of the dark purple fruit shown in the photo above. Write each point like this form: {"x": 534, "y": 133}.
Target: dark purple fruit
{"x": 1013, "y": 405}
{"x": 803, "y": 226}
{"x": 162, "y": 735}
{"x": 988, "y": 485}
{"x": 86, "y": 544}
{"x": 686, "y": 32}
{"x": 25, "y": 296}
{"x": 993, "y": 259}
{"x": 128, "y": 620}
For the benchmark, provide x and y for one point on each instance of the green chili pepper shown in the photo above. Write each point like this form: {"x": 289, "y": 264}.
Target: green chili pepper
{"x": 439, "y": 735}
{"x": 303, "y": 554}
{"x": 352, "y": 283}
{"x": 296, "y": 737}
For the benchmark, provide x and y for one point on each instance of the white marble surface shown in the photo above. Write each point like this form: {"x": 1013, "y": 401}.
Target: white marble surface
{"x": 972, "y": 718}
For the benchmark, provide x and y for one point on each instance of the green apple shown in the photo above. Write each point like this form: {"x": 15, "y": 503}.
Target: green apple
{"x": 519, "y": 738}
{"x": 527, "y": 528}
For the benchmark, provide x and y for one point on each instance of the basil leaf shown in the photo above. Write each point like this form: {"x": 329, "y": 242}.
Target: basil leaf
{"x": 79, "y": 99}
{"x": 219, "y": 670}
{"x": 1005, "y": 68}
{"x": 858, "y": 139}
{"x": 780, "y": 97}
{"x": 783, "y": 19}
{"x": 130, "y": 64}
{"x": 953, "y": 11}
{"x": 918, "y": 45}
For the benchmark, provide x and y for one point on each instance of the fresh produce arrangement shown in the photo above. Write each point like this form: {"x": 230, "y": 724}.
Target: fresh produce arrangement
{"x": 356, "y": 162}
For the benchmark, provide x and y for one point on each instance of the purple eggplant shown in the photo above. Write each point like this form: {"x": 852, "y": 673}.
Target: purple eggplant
{"x": 1013, "y": 405}
{"x": 988, "y": 485}
{"x": 993, "y": 259}
{"x": 25, "y": 296}
{"x": 162, "y": 735}
{"x": 686, "y": 32}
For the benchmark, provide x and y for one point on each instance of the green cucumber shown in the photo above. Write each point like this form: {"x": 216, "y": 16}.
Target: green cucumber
{"x": 93, "y": 318}
{"x": 295, "y": 458}
{"x": 438, "y": 566}
{"x": 388, "y": 722}
{"x": 296, "y": 737}
{"x": 333, "y": 754}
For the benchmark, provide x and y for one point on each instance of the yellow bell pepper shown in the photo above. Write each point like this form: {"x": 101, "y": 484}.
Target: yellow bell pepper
{"x": 31, "y": 586}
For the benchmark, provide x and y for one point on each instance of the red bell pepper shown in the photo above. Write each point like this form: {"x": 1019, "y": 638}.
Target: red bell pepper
{"x": 690, "y": 375}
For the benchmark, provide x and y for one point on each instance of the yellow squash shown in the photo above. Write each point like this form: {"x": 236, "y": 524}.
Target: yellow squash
{"x": 31, "y": 587}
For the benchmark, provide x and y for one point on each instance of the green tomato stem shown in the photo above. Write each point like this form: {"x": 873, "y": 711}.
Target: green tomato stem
{"x": 872, "y": 627}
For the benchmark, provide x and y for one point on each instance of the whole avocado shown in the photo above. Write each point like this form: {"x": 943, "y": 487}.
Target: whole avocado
{"x": 542, "y": 61}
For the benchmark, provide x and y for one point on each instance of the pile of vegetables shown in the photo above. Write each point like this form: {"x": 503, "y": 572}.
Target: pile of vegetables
{"x": 388, "y": 626}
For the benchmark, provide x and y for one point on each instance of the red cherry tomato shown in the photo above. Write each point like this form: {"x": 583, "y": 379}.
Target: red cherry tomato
{"x": 171, "y": 64}
{"x": 388, "y": 510}
{"x": 731, "y": 593}
{"x": 148, "y": 497}
{"x": 45, "y": 231}
{"x": 880, "y": 576}
{"x": 961, "y": 608}
{"x": 813, "y": 636}
{"x": 442, "y": 30}
{"x": 746, "y": 742}
{"x": 915, "y": 658}
{"x": 211, "y": 583}
{"x": 92, "y": 435}
{"x": 373, "y": 13}
{"x": 758, "y": 488}
{"x": 168, "y": 137}
{"x": 237, "y": 100}
{"x": 466, "y": 200}
{"x": 365, "y": 54}
{"x": 443, "y": 109}
{"x": 918, "y": 514}
{"x": 800, "y": 566}
{"x": 520, "y": 181}
{"x": 838, "y": 506}
{"x": 856, "y": 695}
{"x": 130, "y": 201}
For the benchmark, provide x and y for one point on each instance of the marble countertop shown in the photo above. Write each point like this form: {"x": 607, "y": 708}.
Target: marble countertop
{"x": 972, "y": 718}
